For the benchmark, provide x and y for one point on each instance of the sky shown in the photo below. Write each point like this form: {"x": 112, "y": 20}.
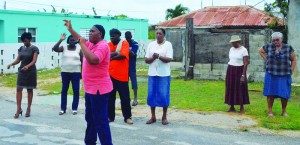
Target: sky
{"x": 153, "y": 10}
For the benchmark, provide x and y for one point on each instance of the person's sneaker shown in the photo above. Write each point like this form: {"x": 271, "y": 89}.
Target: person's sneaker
{"x": 62, "y": 112}
{"x": 74, "y": 112}
{"x": 129, "y": 121}
{"x": 135, "y": 102}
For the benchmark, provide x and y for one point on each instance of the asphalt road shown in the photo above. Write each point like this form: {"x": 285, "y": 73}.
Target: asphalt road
{"x": 46, "y": 127}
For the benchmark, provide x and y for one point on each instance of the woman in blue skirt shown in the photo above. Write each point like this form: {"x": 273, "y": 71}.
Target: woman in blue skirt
{"x": 159, "y": 54}
{"x": 280, "y": 61}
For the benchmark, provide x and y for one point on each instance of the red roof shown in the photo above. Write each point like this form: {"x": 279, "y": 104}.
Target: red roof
{"x": 224, "y": 16}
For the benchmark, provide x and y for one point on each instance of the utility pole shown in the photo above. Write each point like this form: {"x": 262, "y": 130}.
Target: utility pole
{"x": 190, "y": 49}
{"x": 212, "y": 2}
{"x": 4, "y": 5}
{"x": 201, "y": 4}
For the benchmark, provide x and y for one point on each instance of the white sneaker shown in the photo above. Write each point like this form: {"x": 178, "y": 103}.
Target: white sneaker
{"x": 74, "y": 112}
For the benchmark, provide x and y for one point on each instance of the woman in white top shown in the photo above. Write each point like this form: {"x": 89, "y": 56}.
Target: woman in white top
{"x": 70, "y": 71}
{"x": 159, "y": 54}
{"x": 236, "y": 80}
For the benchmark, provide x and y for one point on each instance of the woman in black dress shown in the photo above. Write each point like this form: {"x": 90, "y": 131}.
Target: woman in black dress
{"x": 27, "y": 55}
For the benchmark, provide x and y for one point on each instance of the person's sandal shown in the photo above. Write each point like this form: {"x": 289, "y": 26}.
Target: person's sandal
{"x": 271, "y": 115}
{"x": 285, "y": 115}
{"x": 164, "y": 122}
{"x": 62, "y": 112}
{"x": 151, "y": 121}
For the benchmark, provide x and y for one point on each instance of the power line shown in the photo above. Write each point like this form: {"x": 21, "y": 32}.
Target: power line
{"x": 59, "y": 6}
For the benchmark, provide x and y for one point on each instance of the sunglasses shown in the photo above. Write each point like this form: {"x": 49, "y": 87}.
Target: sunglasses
{"x": 275, "y": 40}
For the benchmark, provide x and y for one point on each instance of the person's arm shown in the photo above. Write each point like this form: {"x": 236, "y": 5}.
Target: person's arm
{"x": 68, "y": 24}
{"x": 262, "y": 54}
{"x": 15, "y": 62}
{"x": 117, "y": 56}
{"x": 81, "y": 56}
{"x": 169, "y": 55}
{"x": 56, "y": 47}
{"x": 90, "y": 57}
{"x": 165, "y": 59}
{"x": 246, "y": 62}
{"x": 151, "y": 59}
{"x": 293, "y": 61}
{"x": 35, "y": 56}
{"x": 134, "y": 49}
{"x": 124, "y": 53}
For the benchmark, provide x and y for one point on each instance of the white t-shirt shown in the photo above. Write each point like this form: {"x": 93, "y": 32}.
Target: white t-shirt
{"x": 236, "y": 56}
{"x": 157, "y": 67}
{"x": 70, "y": 60}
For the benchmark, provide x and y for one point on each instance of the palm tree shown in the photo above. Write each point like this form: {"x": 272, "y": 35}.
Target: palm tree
{"x": 178, "y": 11}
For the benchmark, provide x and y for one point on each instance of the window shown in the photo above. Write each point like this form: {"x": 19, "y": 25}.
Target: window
{"x": 125, "y": 30}
{"x": 31, "y": 30}
{"x": 84, "y": 32}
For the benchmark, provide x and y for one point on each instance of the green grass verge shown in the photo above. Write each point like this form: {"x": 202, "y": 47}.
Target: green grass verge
{"x": 197, "y": 95}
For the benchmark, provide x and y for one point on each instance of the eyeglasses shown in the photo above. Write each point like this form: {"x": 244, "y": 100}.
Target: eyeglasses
{"x": 275, "y": 40}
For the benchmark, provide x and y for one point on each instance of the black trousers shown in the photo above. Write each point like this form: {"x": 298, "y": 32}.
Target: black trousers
{"x": 123, "y": 90}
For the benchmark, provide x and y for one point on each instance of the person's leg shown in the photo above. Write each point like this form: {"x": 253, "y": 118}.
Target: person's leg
{"x": 231, "y": 109}
{"x": 123, "y": 90}
{"x": 134, "y": 87}
{"x": 99, "y": 107}
{"x": 64, "y": 91}
{"x": 75, "y": 85}
{"x": 270, "y": 100}
{"x": 112, "y": 102}
{"x": 19, "y": 102}
{"x": 242, "y": 110}
{"x": 284, "y": 104}
{"x": 153, "y": 117}
{"x": 90, "y": 132}
{"x": 164, "y": 117}
{"x": 30, "y": 96}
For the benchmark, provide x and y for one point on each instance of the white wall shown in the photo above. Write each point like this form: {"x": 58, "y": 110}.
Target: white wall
{"x": 46, "y": 59}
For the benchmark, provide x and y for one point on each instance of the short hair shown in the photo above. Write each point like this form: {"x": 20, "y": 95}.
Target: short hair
{"x": 278, "y": 34}
{"x": 115, "y": 31}
{"x": 127, "y": 33}
{"x": 68, "y": 40}
{"x": 101, "y": 29}
{"x": 26, "y": 35}
{"x": 163, "y": 30}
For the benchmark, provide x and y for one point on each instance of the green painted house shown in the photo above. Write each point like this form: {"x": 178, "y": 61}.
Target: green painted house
{"x": 47, "y": 27}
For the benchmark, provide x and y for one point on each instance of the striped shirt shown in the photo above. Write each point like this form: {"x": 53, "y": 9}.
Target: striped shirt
{"x": 278, "y": 63}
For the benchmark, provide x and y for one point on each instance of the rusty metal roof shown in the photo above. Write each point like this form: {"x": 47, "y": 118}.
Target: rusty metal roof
{"x": 224, "y": 16}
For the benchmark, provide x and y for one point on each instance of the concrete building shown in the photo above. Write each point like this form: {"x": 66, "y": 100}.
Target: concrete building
{"x": 46, "y": 29}
{"x": 213, "y": 27}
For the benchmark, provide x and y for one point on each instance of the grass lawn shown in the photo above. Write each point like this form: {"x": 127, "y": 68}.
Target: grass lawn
{"x": 197, "y": 95}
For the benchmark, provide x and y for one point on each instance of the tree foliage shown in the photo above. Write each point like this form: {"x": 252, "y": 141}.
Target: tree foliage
{"x": 177, "y": 11}
{"x": 281, "y": 6}
{"x": 121, "y": 16}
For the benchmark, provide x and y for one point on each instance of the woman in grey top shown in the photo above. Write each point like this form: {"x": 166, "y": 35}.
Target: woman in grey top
{"x": 27, "y": 55}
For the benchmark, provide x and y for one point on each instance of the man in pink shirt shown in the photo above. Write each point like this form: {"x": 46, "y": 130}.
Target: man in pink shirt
{"x": 97, "y": 83}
